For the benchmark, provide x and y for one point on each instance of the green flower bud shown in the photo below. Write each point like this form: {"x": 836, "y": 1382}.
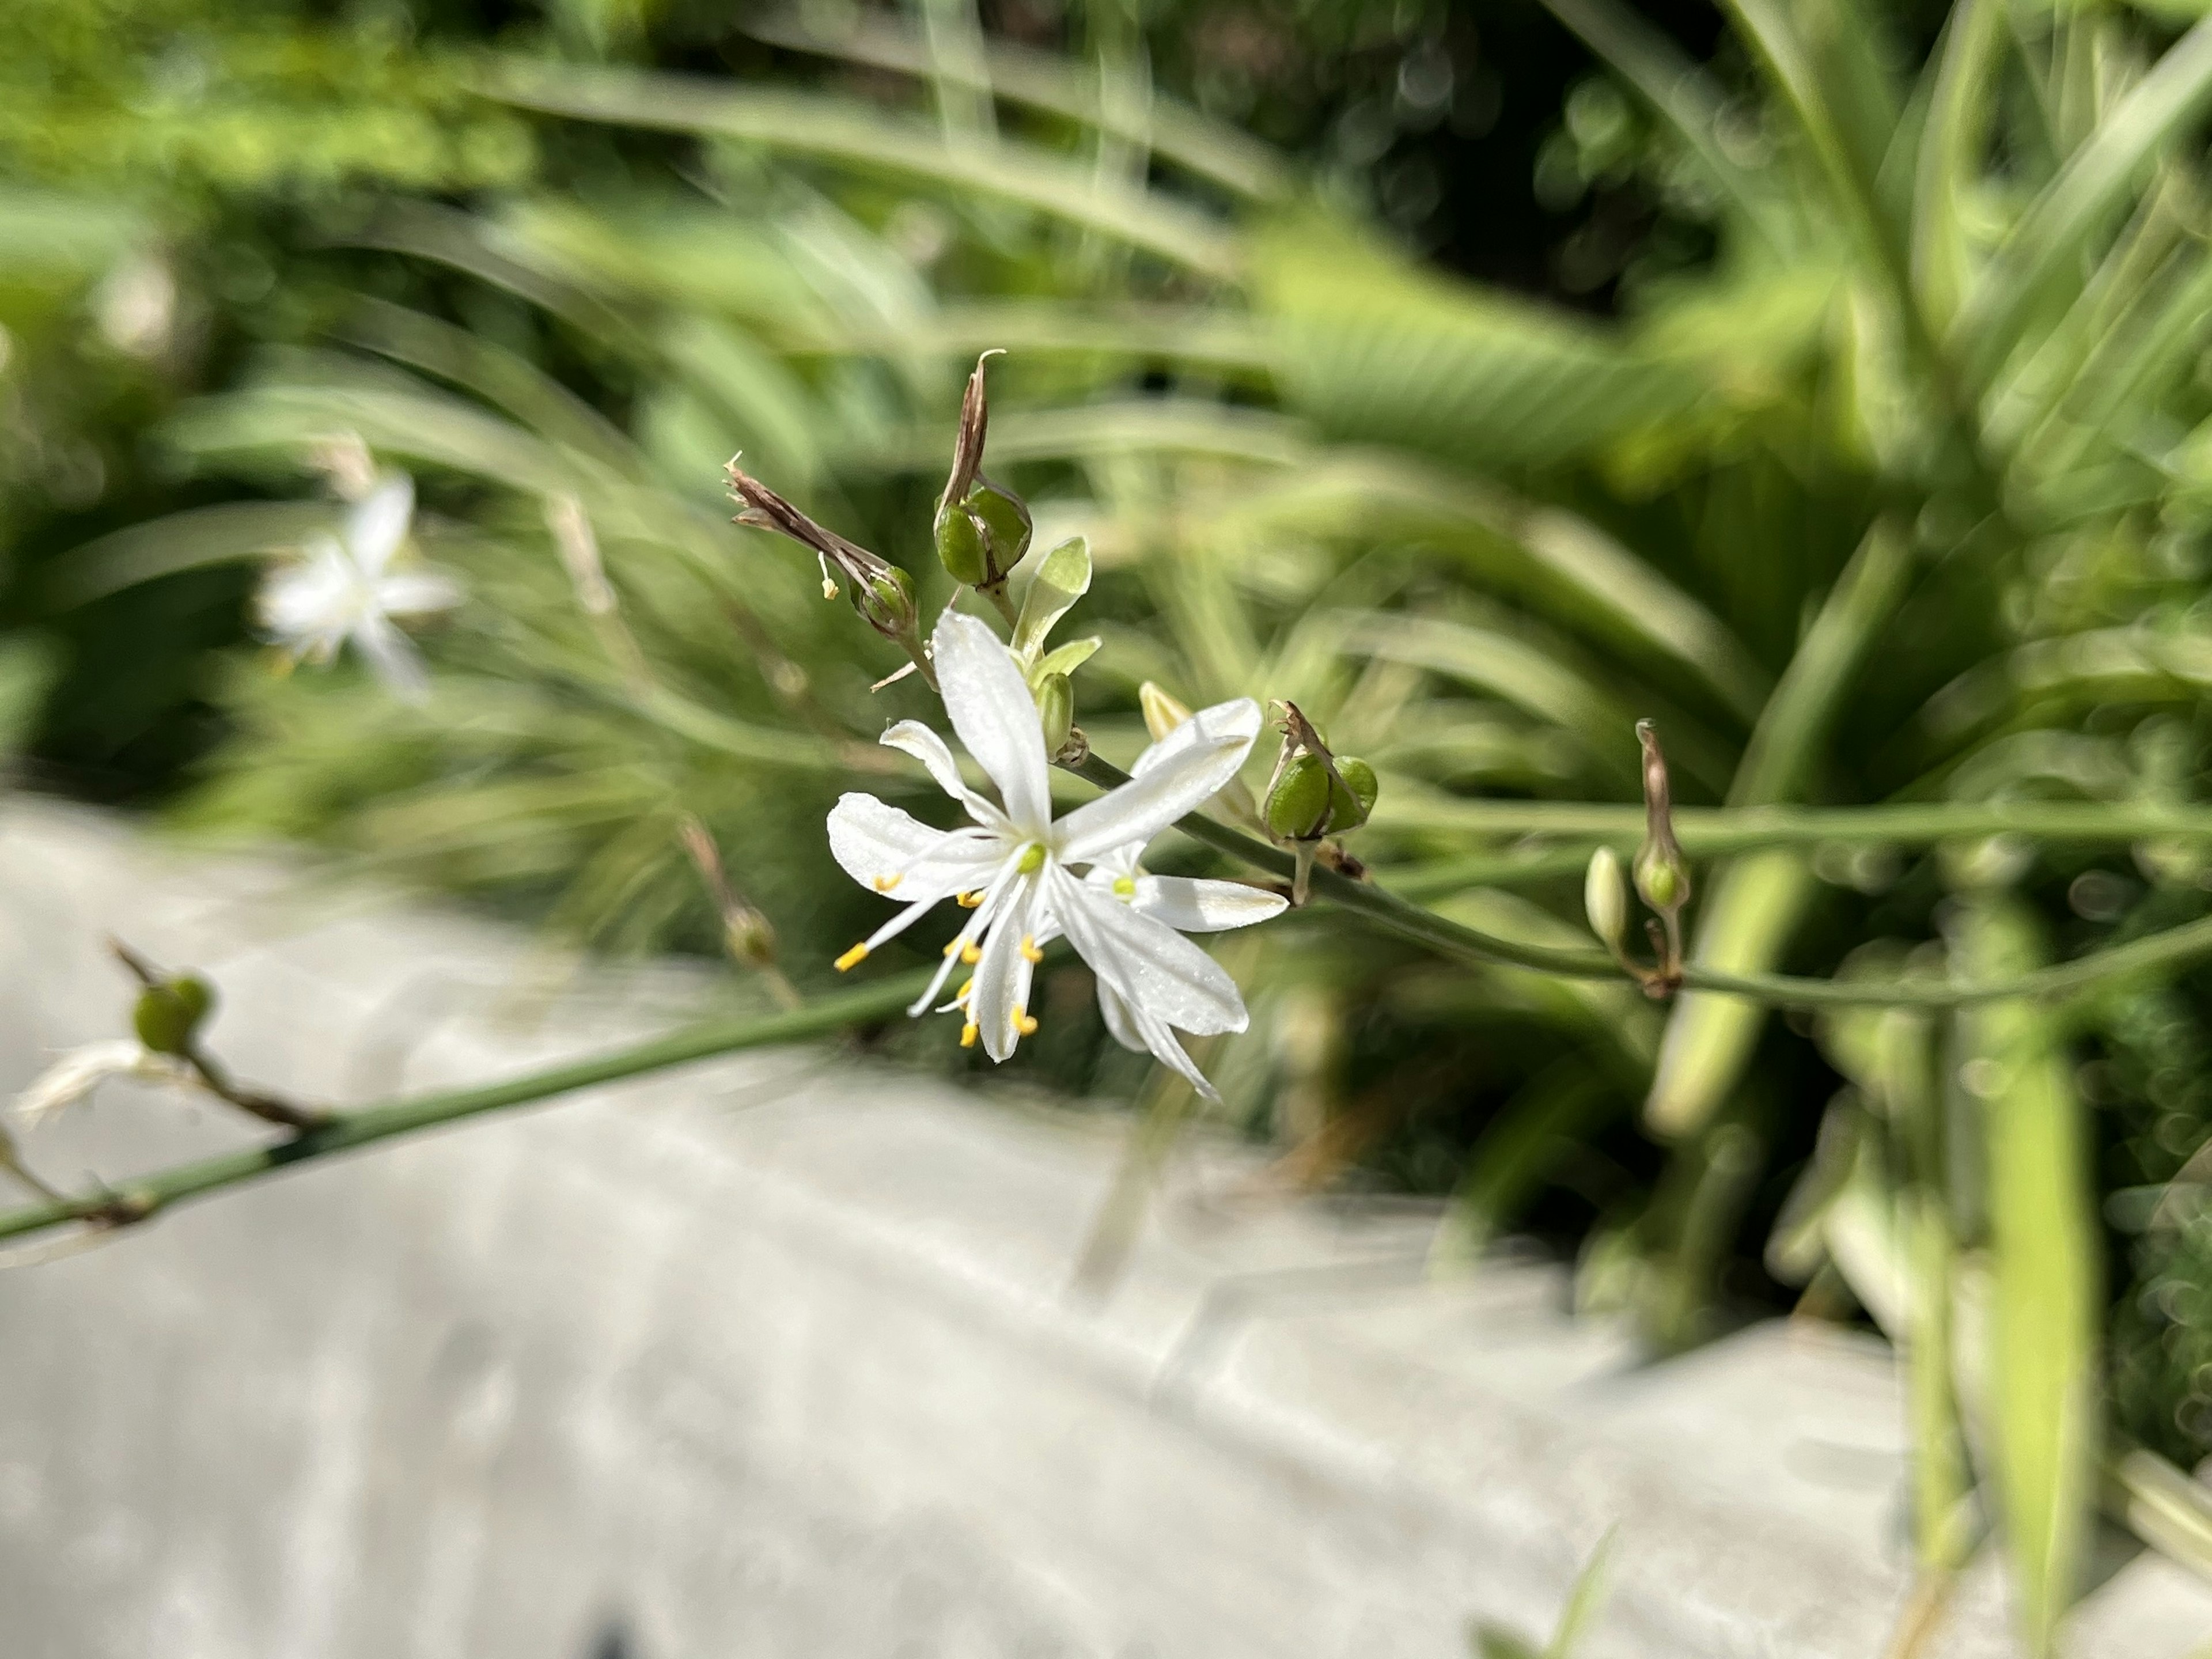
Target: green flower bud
{"x": 1055, "y": 701}
{"x": 1163, "y": 711}
{"x": 167, "y": 1015}
{"x": 1605, "y": 900}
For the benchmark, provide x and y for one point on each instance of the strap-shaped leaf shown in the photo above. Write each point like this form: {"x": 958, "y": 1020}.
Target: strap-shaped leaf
{"x": 2039, "y": 1371}
{"x": 2091, "y": 188}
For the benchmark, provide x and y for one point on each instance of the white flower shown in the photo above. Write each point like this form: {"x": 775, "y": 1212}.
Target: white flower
{"x": 75, "y": 1076}
{"x": 342, "y": 587}
{"x": 1019, "y": 870}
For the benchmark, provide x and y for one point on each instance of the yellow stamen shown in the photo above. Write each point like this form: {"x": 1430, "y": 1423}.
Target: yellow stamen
{"x": 952, "y": 949}
{"x": 961, "y": 995}
{"x": 1125, "y": 887}
{"x": 858, "y": 954}
{"x": 968, "y": 901}
{"x": 1023, "y": 1023}
{"x": 968, "y": 1034}
{"x": 971, "y": 954}
{"x": 884, "y": 883}
{"x": 1029, "y": 949}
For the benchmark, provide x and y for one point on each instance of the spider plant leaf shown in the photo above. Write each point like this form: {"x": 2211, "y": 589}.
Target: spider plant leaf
{"x": 2041, "y": 1367}
{"x": 1951, "y": 145}
{"x": 853, "y": 134}
{"x": 1376, "y": 352}
{"x": 1542, "y": 1124}
{"x": 1755, "y": 904}
{"x": 1678, "y": 92}
{"x": 2090, "y": 189}
{"x": 1173, "y": 130}
{"x": 202, "y": 536}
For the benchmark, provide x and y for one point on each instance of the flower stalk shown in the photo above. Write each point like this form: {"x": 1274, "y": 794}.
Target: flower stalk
{"x": 170, "y": 1012}
{"x": 882, "y": 594}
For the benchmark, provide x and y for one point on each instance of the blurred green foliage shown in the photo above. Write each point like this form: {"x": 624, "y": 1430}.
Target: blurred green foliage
{"x": 1872, "y": 469}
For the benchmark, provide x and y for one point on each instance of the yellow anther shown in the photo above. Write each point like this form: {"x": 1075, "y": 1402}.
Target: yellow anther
{"x": 970, "y": 954}
{"x": 1023, "y": 1023}
{"x": 952, "y": 949}
{"x": 884, "y": 883}
{"x": 968, "y": 901}
{"x": 829, "y": 588}
{"x": 966, "y": 988}
{"x": 859, "y": 953}
{"x": 968, "y": 1034}
{"x": 1125, "y": 887}
{"x": 1029, "y": 949}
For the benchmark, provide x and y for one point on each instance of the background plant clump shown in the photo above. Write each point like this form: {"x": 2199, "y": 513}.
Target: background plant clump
{"x": 1824, "y": 381}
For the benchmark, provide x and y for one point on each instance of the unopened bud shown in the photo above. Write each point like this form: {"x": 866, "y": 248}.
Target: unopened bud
{"x": 169, "y": 1012}
{"x": 1162, "y": 712}
{"x": 1605, "y": 900}
{"x": 1055, "y": 701}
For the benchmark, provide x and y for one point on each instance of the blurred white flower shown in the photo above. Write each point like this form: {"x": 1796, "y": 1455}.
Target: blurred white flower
{"x": 343, "y": 588}
{"x": 75, "y": 1076}
{"x": 1018, "y": 868}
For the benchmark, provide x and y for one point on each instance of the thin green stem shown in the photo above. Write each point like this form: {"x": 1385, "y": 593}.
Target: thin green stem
{"x": 1709, "y": 831}
{"x": 1409, "y": 920}
{"x": 141, "y": 1197}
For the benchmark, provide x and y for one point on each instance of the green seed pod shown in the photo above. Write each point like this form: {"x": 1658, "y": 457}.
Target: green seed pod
{"x": 748, "y": 936}
{"x": 168, "y": 1015}
{"x": 1005, "y": 520}
{"x": 1661, "y": 880}
{"x": 1055, "y": 701}
{"x": 960, "y": 546}
{"x": 1360, "y": 778}
{"x": 1299, "y": 800}
{"x": 1605, "y": 900}
{"x": 886, "y": 603}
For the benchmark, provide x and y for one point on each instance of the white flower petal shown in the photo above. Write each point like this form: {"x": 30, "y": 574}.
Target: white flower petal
{"x": 310, "y": 599}
{"x": 1133, "y": 1031}
{"x": 78, "y": 1072}
{"x": 1220, "y": 720}
{"x": 912, "y": 737}
{"x": 1002, "y": 977}
{"x": 374, "y": 529}
{"x": 992, "y": 711}
{"x": 395, "y": 660}
{"x": 995, "y": 897}
{"x": 1161, "y": 974}
{"x": 875, "y": 843}
{"x": 1193, "y": 772}
{"x": 416, "y": 593}
{"x": 1120, "y": 1020}
{"x": 1191, "y": 906}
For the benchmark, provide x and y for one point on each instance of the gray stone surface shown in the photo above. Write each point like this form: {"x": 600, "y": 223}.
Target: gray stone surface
{"x": 776, "y": 1356}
